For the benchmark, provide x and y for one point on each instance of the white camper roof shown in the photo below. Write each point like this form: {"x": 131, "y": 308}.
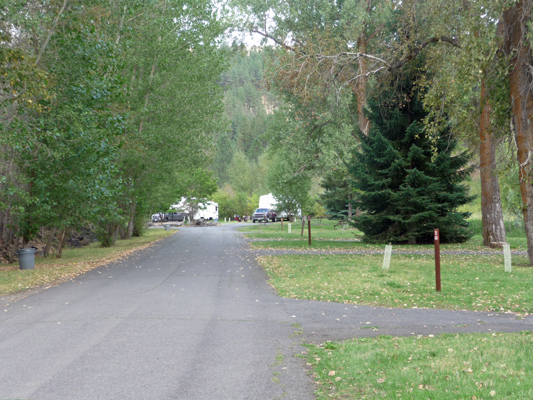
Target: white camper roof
{"x": 267, "y": 201}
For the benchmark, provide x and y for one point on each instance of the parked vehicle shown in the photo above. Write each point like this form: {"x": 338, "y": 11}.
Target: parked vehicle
{"x": 264, "y": 213}
{"x": 175, "y": 217}
{"x": 156, "y": 217}
{"x": 268, "y": 201}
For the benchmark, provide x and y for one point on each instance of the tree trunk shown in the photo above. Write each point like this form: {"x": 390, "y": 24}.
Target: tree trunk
{"x": 61, "y": 241}
{"x": 491, "y": 205}
{"x": 517, "y": 47}
{"x": 129, "y": 233}
{"x": 361, "y": 86}
{"x": 13, "y": 251}
{"x": 122, "y": 232}
{"x": 49, "y": 240}
{"x": 115, "y": 233}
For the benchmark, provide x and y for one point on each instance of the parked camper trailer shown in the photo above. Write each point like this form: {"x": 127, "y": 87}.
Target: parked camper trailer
{"x": 207, "y": 211}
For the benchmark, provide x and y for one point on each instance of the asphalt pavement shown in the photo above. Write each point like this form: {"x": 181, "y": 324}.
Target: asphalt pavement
{"x": 192, "y": 317}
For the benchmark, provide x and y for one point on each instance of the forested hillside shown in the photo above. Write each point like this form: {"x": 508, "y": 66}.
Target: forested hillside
{"x": 240, "y": 160}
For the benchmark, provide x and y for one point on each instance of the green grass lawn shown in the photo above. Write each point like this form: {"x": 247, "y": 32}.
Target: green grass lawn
{"x": 74, "y": 262}
{"x": 325, "y": 237}
{"x": 469, "y": 282}
{"x": 448, "y": 366}
{"x": 297, "y": 243}
{"x": 323, "y": 230}
{"x": 463, "y": 366}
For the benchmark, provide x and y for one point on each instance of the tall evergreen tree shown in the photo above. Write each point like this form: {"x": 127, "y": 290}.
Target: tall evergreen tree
{"x": 338, "y": 197}
{"x": 409, "y": 183}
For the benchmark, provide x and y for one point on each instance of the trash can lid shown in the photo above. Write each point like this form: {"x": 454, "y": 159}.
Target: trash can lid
{"x": 28, "y": 250}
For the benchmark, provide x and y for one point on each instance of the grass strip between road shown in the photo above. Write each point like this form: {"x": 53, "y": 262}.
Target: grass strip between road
{"x": 469, "y": 282}
{"x": 447, "y": 366}
{"x": 75, "y": 261}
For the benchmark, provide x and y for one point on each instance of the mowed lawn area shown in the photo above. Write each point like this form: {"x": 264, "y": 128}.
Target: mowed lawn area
{"x": 458, "y": 366}
{"x": 326, "y": 236}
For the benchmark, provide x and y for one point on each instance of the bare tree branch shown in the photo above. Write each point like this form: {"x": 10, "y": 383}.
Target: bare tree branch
{"x": 319, "y": 126}
{"x": 266, "y": 35}
{"x": 413, "y": 53}
{"x": 50, "y": 33}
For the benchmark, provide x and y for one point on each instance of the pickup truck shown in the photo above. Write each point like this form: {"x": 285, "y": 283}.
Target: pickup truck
{"x": 174, "y": 217}
{"x": 264, "y": 213}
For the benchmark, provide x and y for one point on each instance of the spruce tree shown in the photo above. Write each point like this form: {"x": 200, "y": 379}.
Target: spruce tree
{"x": 338, "y": 194}
{"x": 409, "y": 183}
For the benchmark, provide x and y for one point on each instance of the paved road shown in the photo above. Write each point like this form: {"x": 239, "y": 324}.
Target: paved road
{"x": 190, "y": 318}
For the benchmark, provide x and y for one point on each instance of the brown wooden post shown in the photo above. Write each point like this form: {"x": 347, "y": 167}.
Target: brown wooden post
{"x": 437, "y": 258}
{"x": 309, "y": 228}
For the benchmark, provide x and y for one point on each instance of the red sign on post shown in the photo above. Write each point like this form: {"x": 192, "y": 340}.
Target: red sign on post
{"x": 437, "y": 258}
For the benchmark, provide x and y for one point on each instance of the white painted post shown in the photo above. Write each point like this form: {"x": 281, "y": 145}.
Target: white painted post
{"x": 507, "y": 257}
{"x": 289, "y": 227}
{"x": 386, "y": 258}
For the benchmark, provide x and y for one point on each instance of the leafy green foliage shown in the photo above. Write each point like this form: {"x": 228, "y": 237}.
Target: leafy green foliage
{"x": 290, "y": 191}
{"x": 121, "y": 97}
{"x": 231, "y": 203}
{"x": 198, "y": 184}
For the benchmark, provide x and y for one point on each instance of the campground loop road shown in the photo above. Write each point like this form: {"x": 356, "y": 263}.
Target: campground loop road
{"x": 192, "y": 317}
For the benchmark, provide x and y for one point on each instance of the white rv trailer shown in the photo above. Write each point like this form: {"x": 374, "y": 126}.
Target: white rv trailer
{"x": 208, "y": 210}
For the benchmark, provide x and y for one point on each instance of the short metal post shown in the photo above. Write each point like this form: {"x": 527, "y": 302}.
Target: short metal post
{"x": 309, "y": 228}
{"x": 437, "y": 258}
